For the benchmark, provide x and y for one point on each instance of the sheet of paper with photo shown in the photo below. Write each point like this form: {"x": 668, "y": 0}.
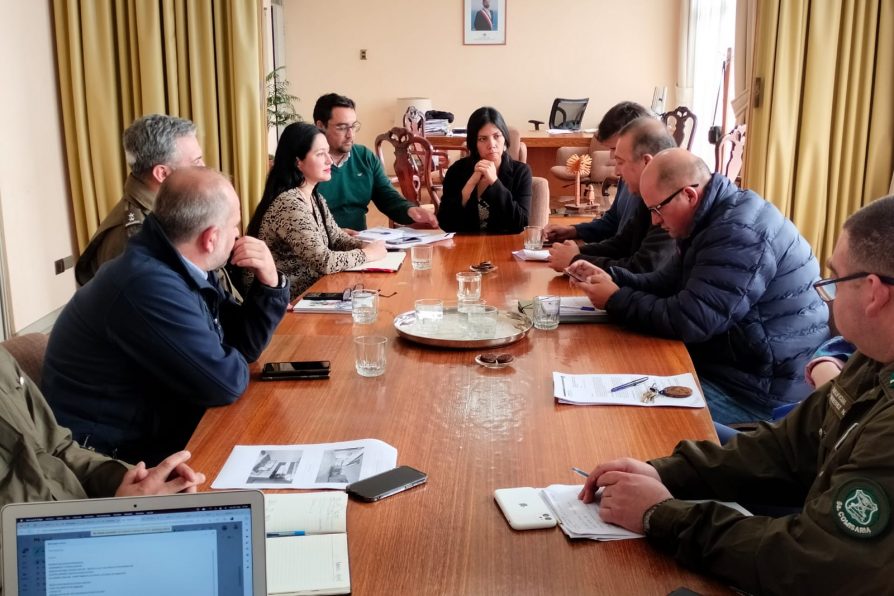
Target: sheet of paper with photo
{"x": 596, "y": 390}
{"x": 320, "y": 465}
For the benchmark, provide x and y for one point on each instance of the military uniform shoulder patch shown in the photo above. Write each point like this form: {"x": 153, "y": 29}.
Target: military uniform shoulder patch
{"x": 861, "y": 508}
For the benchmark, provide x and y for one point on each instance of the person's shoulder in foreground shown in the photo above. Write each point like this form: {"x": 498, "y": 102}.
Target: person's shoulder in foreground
{"x": 50, "y": 466}
{"x": 165, "y": 342}
{"x": 832, "y": 458}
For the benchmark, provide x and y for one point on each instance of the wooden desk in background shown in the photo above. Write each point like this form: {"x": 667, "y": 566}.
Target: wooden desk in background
{"x": 542, "y": 148}
{"x": 473, "y": 430}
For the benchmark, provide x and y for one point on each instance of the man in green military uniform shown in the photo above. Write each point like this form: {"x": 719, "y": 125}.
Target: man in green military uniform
{"x": 358, "y": 177}
{"x": 832, "y": 457}
{"x": 154, "y": 146}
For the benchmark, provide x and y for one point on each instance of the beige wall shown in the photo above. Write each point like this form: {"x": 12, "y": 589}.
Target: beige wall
{"x": 33, "y": 182}
{"x": 602, "y": 49}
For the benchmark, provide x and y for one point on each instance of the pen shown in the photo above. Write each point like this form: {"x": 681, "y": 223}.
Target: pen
{"x": 630, "y": 384}
{"x": 587, "y": 308}
{"x": 579, "y": 472}
{"x": 284, "y": 534}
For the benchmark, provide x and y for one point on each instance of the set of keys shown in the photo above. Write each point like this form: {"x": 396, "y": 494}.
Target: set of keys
{"x": 677, "y": 391}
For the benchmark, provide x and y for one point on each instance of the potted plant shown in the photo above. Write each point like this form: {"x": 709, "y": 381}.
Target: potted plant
{"x": 280, "y": 103}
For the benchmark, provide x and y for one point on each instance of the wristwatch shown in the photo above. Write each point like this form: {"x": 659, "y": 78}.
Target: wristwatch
{"x": 647, "y": 516}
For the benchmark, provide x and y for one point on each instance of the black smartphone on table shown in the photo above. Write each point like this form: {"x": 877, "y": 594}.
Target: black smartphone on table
{"x": 386, "y": 484}
{"x": 327, "y": 296}
{"x": 310, "y": 369}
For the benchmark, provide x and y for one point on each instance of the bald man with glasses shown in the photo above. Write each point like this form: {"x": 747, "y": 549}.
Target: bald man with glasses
{"x": 738, "y": 294}
{"x": 358, "y": 177}
{"x": 831, "y": 460}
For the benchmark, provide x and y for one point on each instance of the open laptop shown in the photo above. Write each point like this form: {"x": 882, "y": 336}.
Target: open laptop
{"x": 203, "y": 543}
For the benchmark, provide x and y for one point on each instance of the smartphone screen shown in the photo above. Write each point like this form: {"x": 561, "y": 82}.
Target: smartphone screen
{"x": 387, "y": 483}
{"x": 325, "y": 296}
{"x": 305, "y": 366}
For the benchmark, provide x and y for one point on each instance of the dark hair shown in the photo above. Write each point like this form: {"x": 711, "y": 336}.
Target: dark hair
{"x": 295, "y": 142}
{"x": 477, "y": 121}
{"x": 648, "y": 135}
{"x": 617, "y": 117}
{"x": 870, "y": 235}
{"x": 151, "y": 140}
{"x": 324, "y": 106}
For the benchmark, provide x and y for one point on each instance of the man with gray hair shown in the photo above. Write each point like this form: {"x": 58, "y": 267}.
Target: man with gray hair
{"x": 154, "y": 146}
{"x": 141, "y": 351}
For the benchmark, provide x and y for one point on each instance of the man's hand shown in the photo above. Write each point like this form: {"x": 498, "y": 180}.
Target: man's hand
{"x": 252, "y": 254}
{"x": 375, "y": 250}
{"x": 556, "y": 233}
{"x": 170, "y": 476}
{"x": 423, "y": 216}
{"x": 598, "y": 285}
{"x": 626, "y": 497}
{"x": 560, "y": 255}
{"x": 488, "y": 171}
{"x": 624, "y": 464}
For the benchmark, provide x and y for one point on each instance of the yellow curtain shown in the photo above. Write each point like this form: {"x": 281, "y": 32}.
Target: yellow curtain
{"x": 196, "y": 59}
{"x": 819, "y": 143}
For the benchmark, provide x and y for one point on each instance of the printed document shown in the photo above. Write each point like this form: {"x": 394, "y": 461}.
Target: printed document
{"x": 597, "y": 390}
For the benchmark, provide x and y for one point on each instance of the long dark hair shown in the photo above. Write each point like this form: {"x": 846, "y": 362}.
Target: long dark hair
{"x": 477, "y": 121}
{"x": 295, "y": 143}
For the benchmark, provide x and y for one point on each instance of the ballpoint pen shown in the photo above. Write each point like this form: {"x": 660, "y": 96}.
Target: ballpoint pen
{"x": 285, "y": 534}
{"x": 630, "y": 384}
{"x": 579, "y": 472}
{"x": 587, "y": 308}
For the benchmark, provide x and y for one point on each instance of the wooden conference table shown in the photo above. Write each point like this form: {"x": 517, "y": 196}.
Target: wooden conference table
{"x": 542, "y": 147}
{"x": 473, "y": 430}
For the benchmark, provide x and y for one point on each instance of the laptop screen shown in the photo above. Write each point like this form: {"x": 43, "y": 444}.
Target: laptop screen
{"x": 199, "y": 550}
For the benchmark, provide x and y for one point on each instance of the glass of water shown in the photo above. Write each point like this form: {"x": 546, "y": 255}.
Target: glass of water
{"x": 533, "y": 238}
{"x": 364, "y": 306}
{"x": 421, "y": 257}
{"x": 482, "y": 321}
{"x": 546, "y": 312}
{"x": 370, "y": 355}
{"x": 468, "y": 285}
{"x": 429, "y": 311}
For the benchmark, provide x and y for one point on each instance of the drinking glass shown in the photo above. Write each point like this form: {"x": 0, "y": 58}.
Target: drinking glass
{"x": 468, "y": 285}
{"x": 482, "y": 321}
{"x": 546, "y": 312}
{"x": 533, "y": 237}
{"x": 429, "y": 311}
{"x": 370, "y": 355}
{"x": 421, "y": 257}
{"x": 364, "y": 306}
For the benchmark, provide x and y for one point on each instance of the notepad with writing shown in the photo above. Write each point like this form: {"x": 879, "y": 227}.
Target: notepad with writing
{"x": 390, "y": 263}
{"x": 307, "y": 543}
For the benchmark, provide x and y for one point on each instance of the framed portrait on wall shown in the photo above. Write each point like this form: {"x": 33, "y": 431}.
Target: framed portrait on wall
{"x": 484, "y": 22}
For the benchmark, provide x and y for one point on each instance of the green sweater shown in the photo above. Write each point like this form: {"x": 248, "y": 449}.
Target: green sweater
{"x": 354, "y": 184}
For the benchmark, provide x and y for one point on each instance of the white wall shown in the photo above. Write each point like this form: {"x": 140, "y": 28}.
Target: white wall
{"x": 34, "y": 199}
{"x": 602, "y": 49}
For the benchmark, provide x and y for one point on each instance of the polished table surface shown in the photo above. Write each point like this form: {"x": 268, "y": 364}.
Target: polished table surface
{"x": 473, "y": 430}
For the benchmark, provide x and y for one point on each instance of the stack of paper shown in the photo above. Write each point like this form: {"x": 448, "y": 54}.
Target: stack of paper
{"x": 572, "y": 309}
{"x": 531, "y": 255}
{"x": 403, "y": 237}
{"x": 597, "y": 390}
{"x": 436, "y": 126}
{"x": 580, "y": 520}
{"x": 323, "y": 306}
{"x": 390, "y": 263}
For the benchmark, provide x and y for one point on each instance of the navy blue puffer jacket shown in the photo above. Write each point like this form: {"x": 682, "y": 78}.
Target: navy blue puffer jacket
{"x": 739, "y": 295}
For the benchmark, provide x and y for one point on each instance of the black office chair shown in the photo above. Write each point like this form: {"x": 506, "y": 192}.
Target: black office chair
{"x": 566, "y": 114}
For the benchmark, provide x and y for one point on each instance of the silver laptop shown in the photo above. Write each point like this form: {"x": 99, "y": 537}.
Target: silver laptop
{"x": 203, "y": 543}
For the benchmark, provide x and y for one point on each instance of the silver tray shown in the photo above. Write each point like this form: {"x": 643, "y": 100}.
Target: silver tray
{"x": 511, "y": 327}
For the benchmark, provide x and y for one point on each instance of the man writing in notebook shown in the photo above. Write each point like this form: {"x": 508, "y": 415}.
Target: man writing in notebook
{"x": 41, "y": 462}
{"x": 358, "y": 177}
{"x": 141, "y": 351}
{"x": 832, "y": 457}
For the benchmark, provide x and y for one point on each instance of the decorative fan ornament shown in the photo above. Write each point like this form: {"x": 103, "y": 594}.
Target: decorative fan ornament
{"x": 579, "y": 165}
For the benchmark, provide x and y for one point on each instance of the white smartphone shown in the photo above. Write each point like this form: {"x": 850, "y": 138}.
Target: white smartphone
{"x": 524, "y": 508}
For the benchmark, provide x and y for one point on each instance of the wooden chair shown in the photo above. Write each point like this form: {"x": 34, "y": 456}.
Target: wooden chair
{"x": 730, "y": 154}
{"x": 414, "y": 122}
{"x": 412, "y": 164}
{"x": 681, "y": 124}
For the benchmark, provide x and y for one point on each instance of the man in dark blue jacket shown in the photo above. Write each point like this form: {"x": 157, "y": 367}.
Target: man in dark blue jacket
{"x": 739, "y": 294}
{"x": 141, "y": 351}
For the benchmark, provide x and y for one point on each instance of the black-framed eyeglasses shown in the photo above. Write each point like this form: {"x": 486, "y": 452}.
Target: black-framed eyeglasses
{"x": 343, "y": 128}
{"x": 826, "y": 287}
{"x": 656, "y": 210}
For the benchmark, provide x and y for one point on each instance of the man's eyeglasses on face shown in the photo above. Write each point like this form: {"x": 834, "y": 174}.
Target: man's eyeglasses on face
{"x": 826, "y": 287}
{"x": 656, "y": 210}
{"x": 343, "y": 128}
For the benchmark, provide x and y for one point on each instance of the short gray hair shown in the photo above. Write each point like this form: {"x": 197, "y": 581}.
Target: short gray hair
{"x": 648, "y": 136}
{"x": 150, "y": 141}
{"x": 870, "y": 235}
{"x": 191, "y": 200}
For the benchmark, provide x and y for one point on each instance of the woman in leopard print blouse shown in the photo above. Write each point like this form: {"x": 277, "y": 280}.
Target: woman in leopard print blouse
{"x": 293, "y": 218}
